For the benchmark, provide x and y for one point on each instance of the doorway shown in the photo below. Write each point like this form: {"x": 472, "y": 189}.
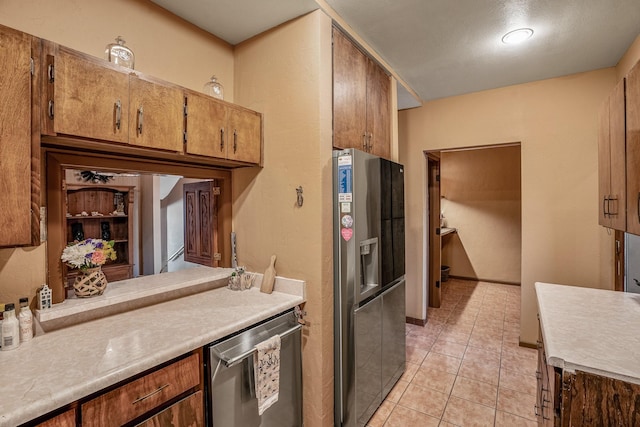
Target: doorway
{"x": 474, "y": 215}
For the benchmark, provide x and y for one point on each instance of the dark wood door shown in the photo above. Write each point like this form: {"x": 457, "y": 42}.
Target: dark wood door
{"x": 200, "y": 223}
{"x": 433, "y": 165}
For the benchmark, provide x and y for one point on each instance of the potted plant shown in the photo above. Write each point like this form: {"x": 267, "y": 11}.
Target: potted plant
{"x": 89, "y": 256}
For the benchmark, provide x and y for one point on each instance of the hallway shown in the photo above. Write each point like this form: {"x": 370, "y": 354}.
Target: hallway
{"x": 465, "y": 367}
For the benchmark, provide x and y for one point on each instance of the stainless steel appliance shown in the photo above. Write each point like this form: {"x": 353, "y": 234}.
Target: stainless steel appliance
{"x": 230, "y": 382}
{"x": 369, "y": 286}
{"x": 631, "y": 264}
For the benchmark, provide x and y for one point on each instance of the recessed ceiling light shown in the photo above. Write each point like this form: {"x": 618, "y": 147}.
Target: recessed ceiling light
{"x": 517, "y": 36}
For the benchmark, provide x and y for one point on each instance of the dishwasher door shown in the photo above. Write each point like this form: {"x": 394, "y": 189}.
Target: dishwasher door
{"x": 231, "y": 395}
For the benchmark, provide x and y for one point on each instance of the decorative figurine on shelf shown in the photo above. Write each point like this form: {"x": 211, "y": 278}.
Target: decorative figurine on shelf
{"x": 120, "y": 54}
{"x": 118, "y": 202}
{"x": 214, "y": 88}
{"x": 106, "y": 232}
{"x": 77, "y": 231}
{"x": 44, "y": 297}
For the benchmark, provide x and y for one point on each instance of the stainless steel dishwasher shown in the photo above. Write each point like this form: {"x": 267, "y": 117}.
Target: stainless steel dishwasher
{"x": 230, "y": 387}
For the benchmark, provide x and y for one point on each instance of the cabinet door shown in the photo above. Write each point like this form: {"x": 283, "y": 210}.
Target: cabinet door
{"x": 604, "y": 164}
{"x": 207, "y": 134}
{"x": 617, "y": 202}
{"x": 156, "y": 115}
{"x": 66, "y": 419}
{"x": 200, "y": 223}
{"x": 349, "y": 94}
{"x": 15, "y": 137}
{"x": 245, "y": 135}
{"x": 378, "y": 113}
{"x": 188, "y": 412}
{"x": 91, "y": 100}
{"x": 633, "y": 150}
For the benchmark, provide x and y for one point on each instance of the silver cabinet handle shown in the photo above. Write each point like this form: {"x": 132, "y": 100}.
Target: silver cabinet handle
{"x": 140, "y": 119}
{"x": 364, "y": 141}
{"x": 639, "y": 207}
{"x": 50, "y": 110}
{"x": 146, "y": 396}
{"x": 235, "y": 141}
{"x": 51, "y": 73}
{"x": 370, "y": 144}
{"x": 221, "y": 139}
{"x": 118, "y": 107}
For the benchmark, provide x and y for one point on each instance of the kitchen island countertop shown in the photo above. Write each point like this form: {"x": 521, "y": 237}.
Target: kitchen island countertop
{"x": 591, "y": 330}
{"x": 65, "y": 365}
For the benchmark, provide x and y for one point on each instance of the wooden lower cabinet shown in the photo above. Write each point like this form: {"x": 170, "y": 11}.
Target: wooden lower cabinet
{"x": 65, "y": 419}
{"x": 583, "y": 399}
{"x": 186, "y": 413}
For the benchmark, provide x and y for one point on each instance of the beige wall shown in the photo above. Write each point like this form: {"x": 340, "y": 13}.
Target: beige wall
{"x": 556, "y": 122}
{"x": 286, "y": 74}
{"x": 481, "y": 198}
{"x": 165, "y": 47}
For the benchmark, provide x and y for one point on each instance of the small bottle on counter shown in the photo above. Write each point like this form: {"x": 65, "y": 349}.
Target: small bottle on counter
{"x": 25, "y": 319}
{"x": 10, "y": 329}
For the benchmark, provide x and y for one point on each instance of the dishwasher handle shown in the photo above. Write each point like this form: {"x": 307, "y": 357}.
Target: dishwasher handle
{"x": 234, "y": 359}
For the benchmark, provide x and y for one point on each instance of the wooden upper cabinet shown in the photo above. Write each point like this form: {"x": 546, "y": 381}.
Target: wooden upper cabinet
{"x": 611, "y": 160}
{"x": 361, "y": 100}
{"x": 244, "y": 135}
{"x": 349, "y": 94}
{"x": 378, "y": 111}
{"x": 156, "y": 115}
{"x": 91, "y": 99}
{"x": 633, "y": 149}
{"x": 207, "y": 132}
{"x": 16, "y": 151}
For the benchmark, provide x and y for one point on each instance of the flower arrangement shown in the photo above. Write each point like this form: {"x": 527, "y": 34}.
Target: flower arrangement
{"x": 88, "y": 253}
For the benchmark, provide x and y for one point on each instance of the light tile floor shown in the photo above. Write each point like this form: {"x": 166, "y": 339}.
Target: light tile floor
{"x": 465, "y": 366}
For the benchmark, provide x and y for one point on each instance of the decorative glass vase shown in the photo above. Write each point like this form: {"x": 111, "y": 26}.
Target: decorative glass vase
{"x": 120, "y": 54}
{"x": 214, "y": 88}
{"x": 90, "y": 282}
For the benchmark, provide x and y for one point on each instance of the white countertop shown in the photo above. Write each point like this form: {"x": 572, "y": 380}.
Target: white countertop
{"x": 591, "y": 330}
{"x": 65, "y": 365}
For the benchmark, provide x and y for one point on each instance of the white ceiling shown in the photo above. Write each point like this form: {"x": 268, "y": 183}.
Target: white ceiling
{"x": 443, "y": 48}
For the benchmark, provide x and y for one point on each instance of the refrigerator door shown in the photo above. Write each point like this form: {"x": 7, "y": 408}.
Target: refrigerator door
{"x": 393, "y": 336}
{"x": 368, "y": 362}
{"x": 391, "y": 222}
{"x": 632, "y": 263}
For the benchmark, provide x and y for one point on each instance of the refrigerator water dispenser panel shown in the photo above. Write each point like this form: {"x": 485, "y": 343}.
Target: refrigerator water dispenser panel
{"x": 369, "y": 265}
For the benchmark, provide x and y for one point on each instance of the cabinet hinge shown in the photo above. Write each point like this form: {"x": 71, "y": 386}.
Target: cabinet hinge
{"x": 32, "y": 66}
{"x": 184, "y": 137}
{"x": 51, "y": 73}
{"x": 217, "y": 257}
{"x": 216, "y": 191}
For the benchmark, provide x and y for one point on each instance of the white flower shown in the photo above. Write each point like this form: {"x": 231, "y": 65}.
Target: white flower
{"x": 76, "y": 255}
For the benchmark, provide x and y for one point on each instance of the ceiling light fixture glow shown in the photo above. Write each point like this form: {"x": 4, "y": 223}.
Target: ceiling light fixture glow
{"x": 517, "y": 36}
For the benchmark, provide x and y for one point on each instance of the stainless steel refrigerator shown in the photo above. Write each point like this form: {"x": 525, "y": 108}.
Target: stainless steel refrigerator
{"x": 369, "y": 286}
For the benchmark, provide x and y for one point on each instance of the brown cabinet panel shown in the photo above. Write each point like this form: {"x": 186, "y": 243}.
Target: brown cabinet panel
{"x": 633, "y": 149}
{"x": 186, "y": 413}
{"x": 604, "y": 164}
{"x": 201, "y": 223}
{"x": 156, "y": 115}
{"x": 91, "y": 100}
{"x": 349, "y": 94}
{"x": 378, "y": 113}
{"x": 244, "y": 136}
{"x": 207, "y": 132}
{"x": 142, "y": 395}
{"x": 66, "y": 419}
{"x": 15, "y": 138}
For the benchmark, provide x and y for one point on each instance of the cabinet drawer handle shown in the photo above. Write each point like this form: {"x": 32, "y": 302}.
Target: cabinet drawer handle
{"x": 140, "y": 119}
{"x": 118, "y": 113}
{"x": 235, "y": 141}
{"x": 221, "y": 139}
{"x": 154, "y": 392}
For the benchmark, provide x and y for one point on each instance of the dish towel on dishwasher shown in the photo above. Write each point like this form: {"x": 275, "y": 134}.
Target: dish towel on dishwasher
{"x": 266, "y": 370}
